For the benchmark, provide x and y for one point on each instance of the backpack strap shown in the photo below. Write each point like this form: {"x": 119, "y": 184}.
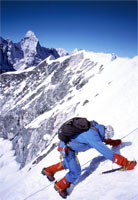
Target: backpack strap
{"x": 93, "y": 126}
{"x": 96, "y": 129}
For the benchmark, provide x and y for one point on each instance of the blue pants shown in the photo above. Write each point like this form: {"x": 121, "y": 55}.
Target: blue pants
{"x": 70, "y": 162}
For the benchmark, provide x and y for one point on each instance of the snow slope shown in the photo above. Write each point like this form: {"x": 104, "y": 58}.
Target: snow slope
{"x": 112, "y": 99}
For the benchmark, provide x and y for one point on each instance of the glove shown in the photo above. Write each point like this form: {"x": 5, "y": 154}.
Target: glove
{"x": 120, "y": 160}
{"x": 113, "y": 142}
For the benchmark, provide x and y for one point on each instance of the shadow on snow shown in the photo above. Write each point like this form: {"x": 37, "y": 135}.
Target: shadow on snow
{"x": 94, "y": 163}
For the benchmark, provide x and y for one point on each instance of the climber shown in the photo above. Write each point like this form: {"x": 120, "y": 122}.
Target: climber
{"x": 97, "y": 136}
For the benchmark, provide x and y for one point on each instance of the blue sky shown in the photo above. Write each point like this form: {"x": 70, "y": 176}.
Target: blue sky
{"x": 100, "y": 26}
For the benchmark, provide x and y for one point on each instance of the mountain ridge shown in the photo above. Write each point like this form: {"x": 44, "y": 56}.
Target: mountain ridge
{"x": 26, "y": 53}
{"x": 34, "y": 102}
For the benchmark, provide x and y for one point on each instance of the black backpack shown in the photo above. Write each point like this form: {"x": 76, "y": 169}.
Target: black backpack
{"x": 73, "y": 126}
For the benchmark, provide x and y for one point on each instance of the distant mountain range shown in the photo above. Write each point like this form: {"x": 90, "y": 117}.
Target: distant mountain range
{"x": 27, "y": 53}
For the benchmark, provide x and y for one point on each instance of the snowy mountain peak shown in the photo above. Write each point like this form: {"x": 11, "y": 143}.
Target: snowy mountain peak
{"x": 75, "y": 50}
{"x": 62, "y": 52}
{"x": 31, "y": 35}
{"x": 28, "y": 52}
{"x": 29, "y": 42}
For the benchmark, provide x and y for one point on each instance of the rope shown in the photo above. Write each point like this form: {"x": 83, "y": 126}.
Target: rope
{"x": 129, "y": 133}
{"x": 37, "y": 191}
{"x": 82, "y": 165}
{"x": 121, "y": 139}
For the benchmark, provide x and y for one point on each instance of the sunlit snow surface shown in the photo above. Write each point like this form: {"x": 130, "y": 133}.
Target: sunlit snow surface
{"x": 113, "y": 99}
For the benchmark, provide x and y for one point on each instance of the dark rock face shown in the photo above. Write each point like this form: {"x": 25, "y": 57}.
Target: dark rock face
{"x": 5, "y": 64}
